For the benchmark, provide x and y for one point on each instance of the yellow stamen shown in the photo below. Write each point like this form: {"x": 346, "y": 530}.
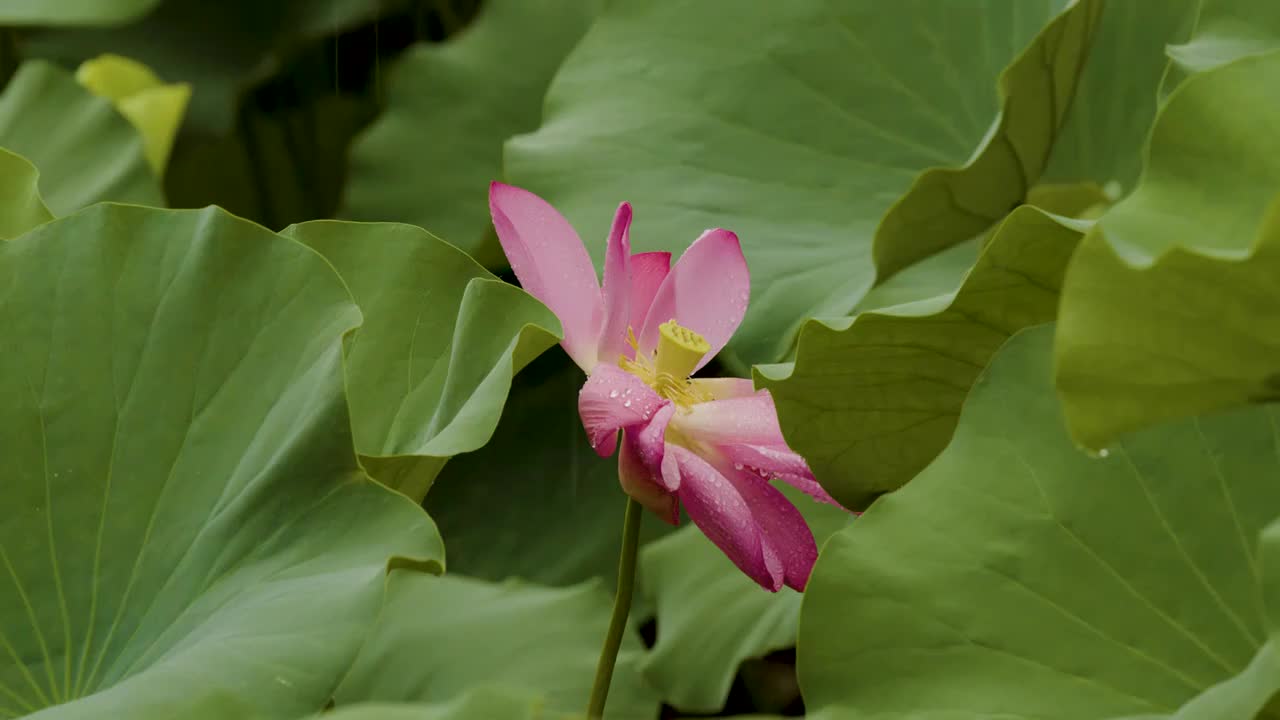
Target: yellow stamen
{"x": 679, "y": 350}
{"x": 667, "y": 370}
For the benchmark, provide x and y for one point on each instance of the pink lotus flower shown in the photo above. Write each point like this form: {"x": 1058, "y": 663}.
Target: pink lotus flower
{"x": 709, "y": 444}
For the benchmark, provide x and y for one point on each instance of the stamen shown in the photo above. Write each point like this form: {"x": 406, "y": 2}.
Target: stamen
{"x": 679, "y": 350}
{"x": 667, "y": 371}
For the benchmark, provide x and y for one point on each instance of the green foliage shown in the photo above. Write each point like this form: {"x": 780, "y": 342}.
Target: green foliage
{"x": 155, "y": 108}
{"x": 72, "y": 12}
{"x": 185, "y": 524}
{"x": 661, "y": 104}
{"x": 1225, "y": 30}
{"x": 450, "y": 108}
{"x": 252, "y": 39}
{"x": 871, "y": 400}
{"x": 536, "y": 502}
{"x": 278, "y": 167}
{"x": 946, "y": 206}
{"x": 85, "y": 150}
{"x": 21, "y": 207}
{"x": 711, "y": 617}
{"x": 484, "y": 704}
{"x": 438, "y": 638}
{"x": 1167, "y": 307}
{"x": 1018, "y": 576}
{"x": 1106, "y": 127}
{"x": 982, "y": 235}
{"x": 429, "y": 370}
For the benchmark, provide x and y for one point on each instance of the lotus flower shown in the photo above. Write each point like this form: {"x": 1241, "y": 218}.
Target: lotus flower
{"x": 711, "y": 445}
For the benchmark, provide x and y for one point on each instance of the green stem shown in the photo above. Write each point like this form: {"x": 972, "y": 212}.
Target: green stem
{"x": 621, "y": 609}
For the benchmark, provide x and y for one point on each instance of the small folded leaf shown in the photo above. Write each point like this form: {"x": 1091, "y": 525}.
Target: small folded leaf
{"x": 429, "y": 370}
{"x": 21, "y": 207}
{"x": 155, "y": 108}
{"x": 536, "y": 502}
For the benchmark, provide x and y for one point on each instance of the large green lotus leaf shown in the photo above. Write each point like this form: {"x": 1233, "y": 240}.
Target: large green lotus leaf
{"x": 429, "y": 158}
{"x": 489, "y": 703}
{"x": 439, "y": 637}
{"x": 1019, "y": 577}
{"x": 1253, "y": 692}
{"x": 1167, "y": 306}
{"x": 536, "y": 502}
{"x": 86, "y": 151}
{"x": 220, "y": 48}
{"x": 848, "y": 102}
{"x": 711, "y": 617}
{"x": 947, "y": 205}
{"x": 429, "y": 370}
{"x": 1098, "y": 143}
{"x": 185, "y": 523}
{"x": 1225, "y": 30}
{"x": 1102, "y": 137}
{"x": 21, "y": 207}
{"x": 72, "y": 12}
{"x": 1247, "y": 695}
{"x": 871, "y": 400}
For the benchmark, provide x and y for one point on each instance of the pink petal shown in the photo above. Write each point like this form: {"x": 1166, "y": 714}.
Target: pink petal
{"x": 648, "y": 270}
{"x": 617, "y": 289}
{"x": 639, "y": 481}
{"x": 785, "y": 529}
{"x": 649, "y": 443}
{"x": 548, "y": 257}
{"x": 707, "y": 291}
{"x": 715, "y": 506}
{"x": 776, "y": 461}
{"x": 613, "y": 399}
{"x": 724, "y": 388}
{"x": 750, "y": 420}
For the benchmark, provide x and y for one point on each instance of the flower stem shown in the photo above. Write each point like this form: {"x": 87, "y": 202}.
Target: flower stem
{"x": 621, "y": 609}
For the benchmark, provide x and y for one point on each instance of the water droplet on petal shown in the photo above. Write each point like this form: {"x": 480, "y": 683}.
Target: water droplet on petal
{"x": 613, "y": 393}
{"x": 626, "y": 404}
{"x": 737, "y": 466}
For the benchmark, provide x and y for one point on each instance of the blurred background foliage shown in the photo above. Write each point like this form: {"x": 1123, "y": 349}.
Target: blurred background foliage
{"x": 279, "y": 89}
